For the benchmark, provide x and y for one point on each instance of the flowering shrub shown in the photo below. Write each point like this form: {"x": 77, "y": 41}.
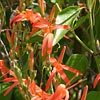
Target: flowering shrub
{"x": 33, "y": 42}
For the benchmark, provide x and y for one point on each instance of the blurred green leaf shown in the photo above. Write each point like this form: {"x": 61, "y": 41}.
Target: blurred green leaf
{"x": 17, "y": 95}
{"x": 66, "y": 16}
{"x": 24, "y": 64}
{"x": 3, "y": 88}
{"x": 93, "y": 95}
{"x": 97, "y": 20}
{"x": 0, "y": 10}
{"x": 77, "y": 61}
{"x": 80, "y": 21}
{"x": 35, "y": 38}
{"x": 72, "y": 1}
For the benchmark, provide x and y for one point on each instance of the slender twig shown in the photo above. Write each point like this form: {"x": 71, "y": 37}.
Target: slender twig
{"x": 7, "y": 54}
{"x": 80, "y": 81}
{"x": 82, "y": 43}
{"x": 93, "y": 40}
{"x": 58, "y": 7}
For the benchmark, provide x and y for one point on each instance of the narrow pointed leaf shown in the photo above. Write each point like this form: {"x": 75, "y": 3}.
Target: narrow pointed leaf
{"x": 81, "y": 21}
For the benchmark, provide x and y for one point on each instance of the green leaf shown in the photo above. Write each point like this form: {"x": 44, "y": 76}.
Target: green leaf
{"x": 93, "y": 95}
{"x": 80, "y": 21}
{"x": 0, "y": 10}
{"x": 17, "y": 95}
{"x": 24, "y": 64}
{"x": 77, "y": 61}
{"x": 3, "y": 88}
{"x": 72, "y": 2}
{"x": 66, "y": 16}
{"x": 35, "y": 38}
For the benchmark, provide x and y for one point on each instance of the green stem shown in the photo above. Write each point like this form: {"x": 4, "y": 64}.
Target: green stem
{"x": 92, "y": 34}
{"x": 78, "y": 39}
{"x": 52, "y": 90}
{"x": 97, "y": 59}
{"x": 58, "y": 7}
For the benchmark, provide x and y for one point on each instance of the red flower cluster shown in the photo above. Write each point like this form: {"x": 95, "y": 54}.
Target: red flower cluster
{"x": 39, "y": 22}
{"x": 61, "y": 92}
{"x": 36, "y": 92}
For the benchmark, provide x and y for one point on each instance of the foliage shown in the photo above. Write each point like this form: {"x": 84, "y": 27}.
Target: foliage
{"x": 49, "y": 49}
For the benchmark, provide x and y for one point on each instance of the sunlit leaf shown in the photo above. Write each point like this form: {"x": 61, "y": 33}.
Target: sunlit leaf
{"x": 66, "y": 16}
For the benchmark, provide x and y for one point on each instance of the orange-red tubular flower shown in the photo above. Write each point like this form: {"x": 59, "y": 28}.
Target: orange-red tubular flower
{"x": 4, "y": 70}
{"x": 27, "y": 15}
{"x": 84, "y": 93}
{"x": 96, "y": 80}
{"x": 11, "y": 79}
{"x": 58, "y": 67}
{"x": 32, "y": 16}
{"x": 60, "y": 93}
{"x": 18, "y": 18}
{"x": 42, "y": 6}
{"x": 44, "y": 24}
{"x": 38, "y": 94}
{"x": 12, "y": 86}
{"x": 47, "y": 44}
{"x": 31, "y": 59}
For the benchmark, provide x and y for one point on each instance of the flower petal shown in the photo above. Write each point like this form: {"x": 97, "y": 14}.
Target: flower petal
{"x": 31, "y": 59}
{"x": 52, "y": 13}
{"x": 31, "y": 16}
{"x": 10, "y": 88}
{"x": 96, "y": 80}
{"x": 71, "y": 69}
{"x": 4, "y": 69}
{"x": 62, "y": 54}
{"x": 52, "y": 60}
{"x": 84, "y": 93}
{"x": 17, "y": 18}
{"x": 60, "y": 26}
{"x": 42, "y": 6}
{"x": 63, "y": 76}
{"x": 59, "y": 69}
{"x": 60, "y": 93}
{"x": 10, "y": 79}
{"x": 50, "y": 79}
{"x": 50, "y": 42}
{"x": 44, "y": 45}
